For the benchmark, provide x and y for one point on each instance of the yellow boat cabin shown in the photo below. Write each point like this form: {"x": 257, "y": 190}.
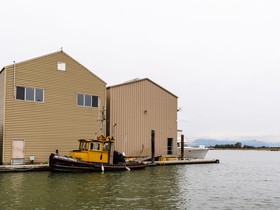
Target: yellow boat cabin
{"x": 98, "y": 151}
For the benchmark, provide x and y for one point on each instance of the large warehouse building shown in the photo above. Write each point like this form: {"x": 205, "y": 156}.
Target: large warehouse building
{"x": 134, "y": 109}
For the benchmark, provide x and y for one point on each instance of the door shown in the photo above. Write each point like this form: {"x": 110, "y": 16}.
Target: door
{"x": 169, "y": 146}
{"x": 17, "y": 151}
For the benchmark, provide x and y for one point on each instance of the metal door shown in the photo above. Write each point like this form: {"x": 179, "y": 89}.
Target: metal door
{"x": 169, "y": 146}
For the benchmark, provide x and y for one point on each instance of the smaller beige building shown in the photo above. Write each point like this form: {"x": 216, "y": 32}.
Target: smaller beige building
{"x": 134, "y": 109}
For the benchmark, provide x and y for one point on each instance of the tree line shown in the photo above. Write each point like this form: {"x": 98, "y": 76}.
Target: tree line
{"x": 237, "y": 145}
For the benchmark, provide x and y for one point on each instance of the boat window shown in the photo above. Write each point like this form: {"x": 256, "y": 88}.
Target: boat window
{"x": 95, "y": 146}
{"x": 83, "y": 145}
{"x": 106, "y": 147}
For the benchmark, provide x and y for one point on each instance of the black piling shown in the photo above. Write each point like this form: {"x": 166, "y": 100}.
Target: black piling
{"x": 182, "y": 147}
{"x": 153, "y": 146}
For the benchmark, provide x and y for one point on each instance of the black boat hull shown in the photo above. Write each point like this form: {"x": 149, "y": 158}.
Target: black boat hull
{"x": 66, "y": 164}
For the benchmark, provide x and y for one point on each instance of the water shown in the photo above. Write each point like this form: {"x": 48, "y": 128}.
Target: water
{"x": 242, "y": 180}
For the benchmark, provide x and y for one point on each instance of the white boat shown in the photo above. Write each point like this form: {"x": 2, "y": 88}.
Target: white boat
{"x": 192, "y": 152}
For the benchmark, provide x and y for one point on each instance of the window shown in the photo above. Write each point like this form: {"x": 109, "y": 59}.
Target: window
{"x": 20, "y": 93}
{"x": 39, "y": 95}
{"x": 30, "y": 94}
{"x": 87, "y": 100}
{"x": 95, "y": 146}
{"x": 94, "y": 101}
{"x": 80, "y": 101}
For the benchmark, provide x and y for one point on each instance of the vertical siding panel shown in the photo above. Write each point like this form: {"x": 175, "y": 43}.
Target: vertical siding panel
{"x": 2, "y": 101}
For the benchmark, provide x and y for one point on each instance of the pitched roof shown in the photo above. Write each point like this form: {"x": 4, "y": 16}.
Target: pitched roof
{"x": 57, "y": 52}
{"x": 140, "y": 80}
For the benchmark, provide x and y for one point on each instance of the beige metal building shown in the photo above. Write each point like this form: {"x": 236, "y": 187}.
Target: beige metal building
{"x": 134, "y": 109}
{"x": 47, "y": 104}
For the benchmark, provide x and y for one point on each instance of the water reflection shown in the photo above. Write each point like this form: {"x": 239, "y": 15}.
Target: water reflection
{"x": 151, "y": 188}
{"x": 12, "y": 185}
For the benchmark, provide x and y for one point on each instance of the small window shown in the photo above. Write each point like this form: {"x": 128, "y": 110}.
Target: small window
{"x": 29, "y": 94}
{"x": 106, "y": 147}
{"x": 39, "y": 95}
{"x": 94, "y": 101}
{"x": 95, "y": 146}
{"x": 80, "y": 100}
{"x": 61, "y": 66}
{"x": 87, "y": 100}
{"x": 20, "y": 93}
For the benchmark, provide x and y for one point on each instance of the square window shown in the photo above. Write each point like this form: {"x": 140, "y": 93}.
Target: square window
{"x": 80, "y": 100}
{"x": 20, "y": 93}
{"x": 61, "y": 66}
{"x": 30, "y": 94}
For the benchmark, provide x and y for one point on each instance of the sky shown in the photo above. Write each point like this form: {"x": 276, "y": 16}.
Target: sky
{"x": 220, "y": 57}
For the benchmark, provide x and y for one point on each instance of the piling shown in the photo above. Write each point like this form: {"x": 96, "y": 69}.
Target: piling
{"x": 153, "y": 146}
{"x": 182, "y": 147}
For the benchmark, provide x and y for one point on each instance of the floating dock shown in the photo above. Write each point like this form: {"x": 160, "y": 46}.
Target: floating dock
{"x": 181, "y": 162}
{"x": 24, "y": 168}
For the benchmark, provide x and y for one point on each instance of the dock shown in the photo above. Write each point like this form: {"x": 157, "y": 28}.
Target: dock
{"x": 180, "y": 162}
{"x": 24, "y": 168}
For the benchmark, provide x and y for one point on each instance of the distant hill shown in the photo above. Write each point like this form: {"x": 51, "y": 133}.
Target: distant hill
{"x": 253, "y": 142}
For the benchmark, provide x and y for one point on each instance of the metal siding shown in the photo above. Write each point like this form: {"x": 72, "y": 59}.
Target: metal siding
{"x": 58, "y": 122}
{"x": 127, "y": 108}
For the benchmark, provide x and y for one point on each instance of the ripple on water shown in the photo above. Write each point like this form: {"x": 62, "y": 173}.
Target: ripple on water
{"x": 242, "y": 180}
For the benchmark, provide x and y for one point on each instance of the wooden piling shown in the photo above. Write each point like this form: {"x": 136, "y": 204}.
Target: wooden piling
{"x": 153, "y": 146}
{"x": 182, "y": 147}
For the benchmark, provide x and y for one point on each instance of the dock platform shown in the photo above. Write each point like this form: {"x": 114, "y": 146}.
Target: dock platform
{"x": 24, "y": 168}
{"x": 180, "y": 162}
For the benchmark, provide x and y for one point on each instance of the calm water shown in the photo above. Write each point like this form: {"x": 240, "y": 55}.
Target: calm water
{"x": 243, "y": 180}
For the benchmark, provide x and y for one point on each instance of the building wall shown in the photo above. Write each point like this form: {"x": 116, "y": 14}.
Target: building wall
{"x": 136, "y": 108}
{"x": 56, "y": 123}
{"x": 2, "y": 89}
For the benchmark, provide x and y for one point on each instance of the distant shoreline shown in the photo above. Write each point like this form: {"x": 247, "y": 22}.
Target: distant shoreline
{"x": 263, "y": 149}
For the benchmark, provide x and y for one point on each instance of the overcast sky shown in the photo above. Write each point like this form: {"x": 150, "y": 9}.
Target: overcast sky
{"x": 220, "y": 57}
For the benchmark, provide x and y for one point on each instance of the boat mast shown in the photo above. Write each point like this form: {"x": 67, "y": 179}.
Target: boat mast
{"x": 103, "y": 118}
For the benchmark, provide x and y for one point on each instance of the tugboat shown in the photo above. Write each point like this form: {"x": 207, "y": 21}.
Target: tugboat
{"x": 93, "y": 155}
